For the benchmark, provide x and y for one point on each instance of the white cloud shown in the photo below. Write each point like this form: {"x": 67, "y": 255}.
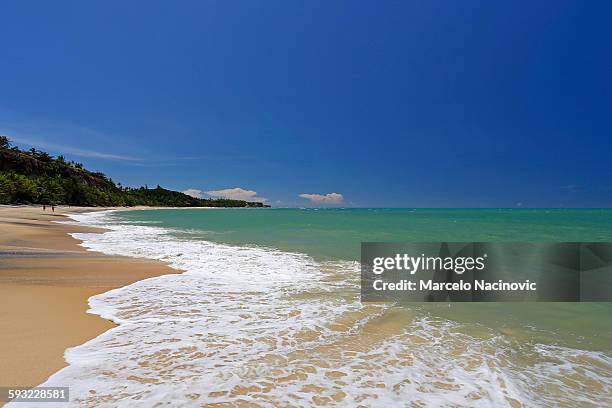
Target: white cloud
{"x": 329, "y": 198}
{"x": 237, "y": 193}
{"x": 194, "y": 192}
{"x": 74, "y": 150}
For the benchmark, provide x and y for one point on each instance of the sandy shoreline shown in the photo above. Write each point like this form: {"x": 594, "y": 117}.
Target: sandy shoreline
{"x": 46, "y": 279}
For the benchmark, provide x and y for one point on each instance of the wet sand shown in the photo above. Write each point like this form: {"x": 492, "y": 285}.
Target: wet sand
{"x": 46, "y": 279}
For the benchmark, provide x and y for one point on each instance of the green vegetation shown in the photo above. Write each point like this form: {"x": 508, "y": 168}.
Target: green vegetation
{"x": 35, "y": 177}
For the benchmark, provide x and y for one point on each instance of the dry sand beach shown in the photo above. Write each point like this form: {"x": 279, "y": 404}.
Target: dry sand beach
{"x": 45, "y": 281}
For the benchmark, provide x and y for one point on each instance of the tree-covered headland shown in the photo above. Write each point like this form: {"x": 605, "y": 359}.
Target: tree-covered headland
{"x": 35, "y": 177}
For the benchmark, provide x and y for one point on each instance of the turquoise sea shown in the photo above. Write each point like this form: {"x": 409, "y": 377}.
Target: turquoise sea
{"x": 268, "y": 313}
{"x": 336, "y": 234}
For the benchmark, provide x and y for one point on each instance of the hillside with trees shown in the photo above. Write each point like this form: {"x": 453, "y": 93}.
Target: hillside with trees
{"x": 35, "y": 177}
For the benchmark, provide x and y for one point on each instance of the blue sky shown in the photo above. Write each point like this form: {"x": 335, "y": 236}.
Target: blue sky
{"x": 405, "y": 104}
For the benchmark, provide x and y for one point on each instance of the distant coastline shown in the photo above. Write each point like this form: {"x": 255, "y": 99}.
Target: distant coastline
{"x": 36, "y": 177}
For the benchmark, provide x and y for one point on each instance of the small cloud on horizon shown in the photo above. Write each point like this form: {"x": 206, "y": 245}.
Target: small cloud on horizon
{"x": 329, "y": 198}
{"x": 193, "y": 192}
{"x": 235, "y": 193}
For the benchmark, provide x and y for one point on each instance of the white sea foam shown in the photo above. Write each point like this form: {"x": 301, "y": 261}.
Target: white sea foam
{"x": 258, "y": 325}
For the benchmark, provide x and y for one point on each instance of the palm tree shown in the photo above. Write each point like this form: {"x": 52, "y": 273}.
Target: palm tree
{"x": 44, "y": 156}
{"x": 5, "y": 143}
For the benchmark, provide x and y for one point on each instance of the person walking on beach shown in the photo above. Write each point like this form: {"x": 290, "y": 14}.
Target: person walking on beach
{"x": 53, "y": 208}
{"x": 44, "y": 207}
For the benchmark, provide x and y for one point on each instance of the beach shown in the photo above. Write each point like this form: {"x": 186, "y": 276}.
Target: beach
{"x": 46, "y": 279}
{"x": 267, "y": 312}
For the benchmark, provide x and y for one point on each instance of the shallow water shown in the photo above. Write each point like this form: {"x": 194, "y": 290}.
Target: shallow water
{"x": 268, "y": 313}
